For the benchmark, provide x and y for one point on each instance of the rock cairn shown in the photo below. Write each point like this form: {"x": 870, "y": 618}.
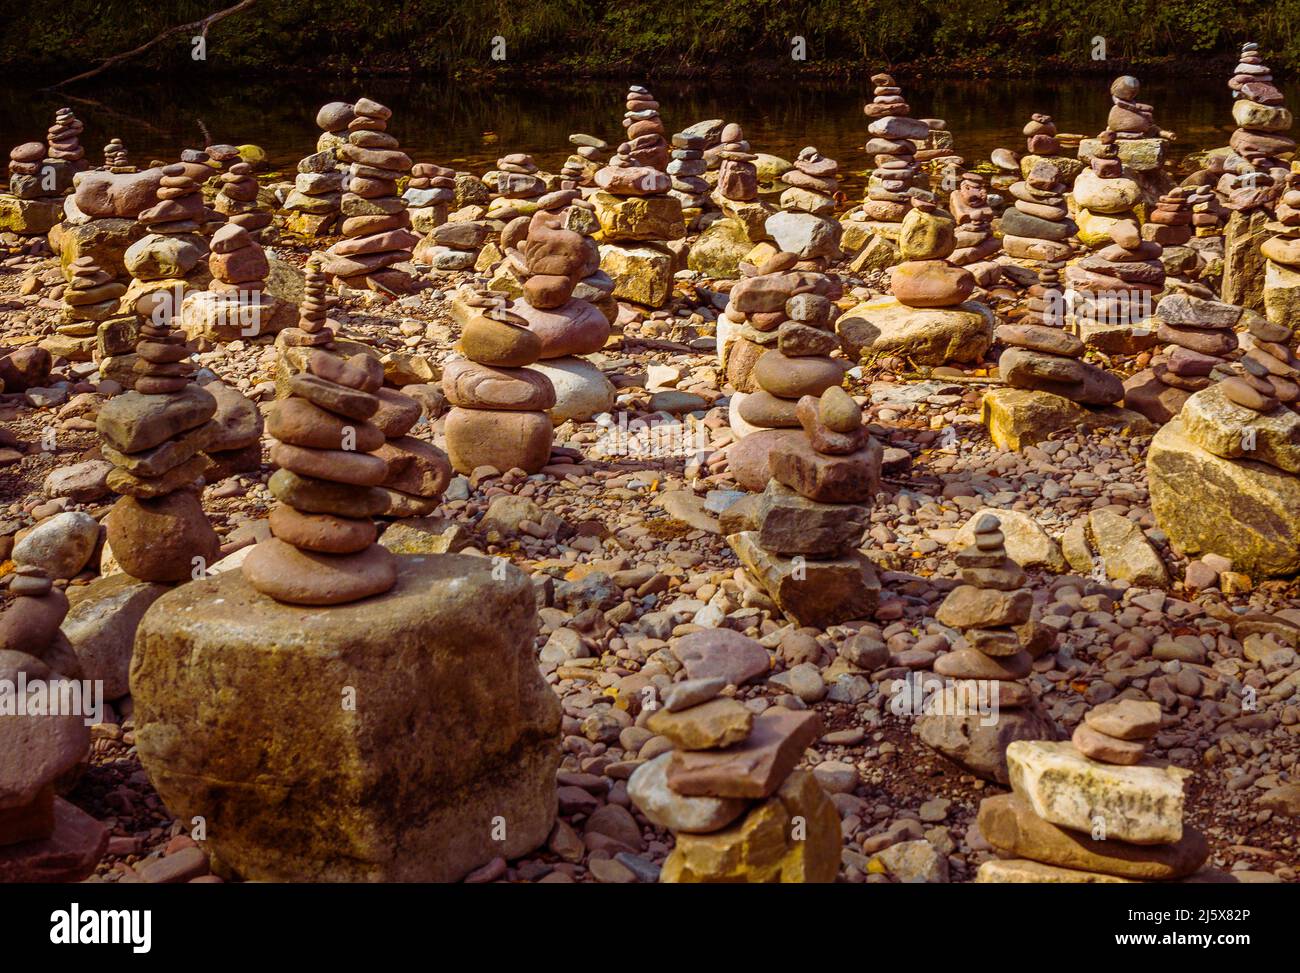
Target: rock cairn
{"x": 975, "y": 244}
{"x": 447, "y": 245}
{"x": 518, "y": 185}
{"x": 589, "y": 153}
{"x": 1092, "y": 810}
{"x": 893, "y": 148}
{"x": 317, "y": 197}
{"x": 25, "y": 180}
{"x": 1114, "y": 291}
{"x": 499, "y": 406}
{"x": 155, "y": 436}
{"x": 737, "y": 174}
{"x": 1208, "y": 214}
{"x": 1199, "y": 336}
{"x": 686, "y": 171}
{"x": 64, "y": 141}
{"x": 43, "y": 838}
{"x": 926, "y": 278}
{"x": 237, "y": 199}
{"x": 115, "y": 157}
{"x": 730, "y": 778}
{"x": 236, "y": 304}
{"x": 323, "y": 549}
{"x": 1261, "y": 117}
{"x": 90, "y": 297}
{"x": 813, "y": 183}
{"x": 1104, "y": 194}
{"x": 784, "y": 342}
{"x": 1140, "y": 144}
{"x": 1282, "y": 259}
{"x": 1038, "y": 226}
{"x": 429, "y": 194}
{"x": 800, "y": 542}
{"x": 33, "y": 205}
{"x": 1040, "y": 136}
{"x": 1170, "y": 224}
{"x": 375, "y": 228}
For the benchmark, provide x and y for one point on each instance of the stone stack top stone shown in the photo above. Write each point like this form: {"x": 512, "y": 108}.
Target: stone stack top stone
{"x": 893, "y": 146}
{"x": 237, "y": 199}
{"x": 375, "y": 225}
{"x": 323, "y": 551}
{"x": 63, "y": 139}
{"x": 333, "y": 120}
{"x": 730, "y": 792}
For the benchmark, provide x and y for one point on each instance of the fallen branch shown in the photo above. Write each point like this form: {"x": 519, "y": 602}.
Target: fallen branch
{"x": 200, "y": 25}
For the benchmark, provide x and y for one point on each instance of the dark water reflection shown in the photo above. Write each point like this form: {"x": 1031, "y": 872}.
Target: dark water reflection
{"x": 469, "y": 127}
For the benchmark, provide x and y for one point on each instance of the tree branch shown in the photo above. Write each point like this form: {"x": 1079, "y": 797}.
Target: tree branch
{"x": 202, "y": 25}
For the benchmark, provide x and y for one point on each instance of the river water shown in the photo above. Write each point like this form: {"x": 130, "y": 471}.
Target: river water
{"x": 468, "y": 127}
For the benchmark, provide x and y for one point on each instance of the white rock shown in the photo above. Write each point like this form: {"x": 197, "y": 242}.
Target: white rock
{"x": 62, "y": 545}
{"x": 648, "y": 788}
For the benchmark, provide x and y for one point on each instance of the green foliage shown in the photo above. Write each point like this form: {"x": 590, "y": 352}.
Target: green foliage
{"x": 642, "y": 36}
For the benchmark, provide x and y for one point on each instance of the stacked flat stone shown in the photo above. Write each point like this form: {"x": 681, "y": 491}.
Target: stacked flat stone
{"x": 314, "y": 328}
{"x": 813, "y": 183}
{"x": 115, "y": 157}
{"x": 1042, "y": 356}
{"x": 454, "y": 245}
{"x": 317, "y": 194}
{"x": 737, "y": 174}
{"x": 926, "y": 278}
{"x": 800, "y": 544}
{"x": 784, "y": 341}
{"x": 518, "y": 186}
{"x": 1170, "y": 223}
{"x": 1282, "y": 258}
{"x": 1262, "y": 118}
{"x": 1104, "y": 194}
{"x": 975, "y": 243}
{"x": 239, "y": 269}
{"x": 589, "y": 153}
{"x": 43, "y": 838}
{"x": 499, "y": 406}
{"x": 1092, "y": 810}
{"x": 25, "y": 180}
{"x": 686, "y": 169}
{"x": 91, "y": 296}
{"x": 893, "y": 147}
{"x": 1116, "y": 287}
{"x": 323, "y": 549}
{"x": 1038, "y": 226}
{"x": 155, "y": 436}
{"x": 1200, "y": 337}
{"x": 429, "y": 194}
{"x": 376, "y": 225}
{"x": 1141, "y": 145}
{"x": 237, "y": 199}
{"x": 639, "y": 165}
{"x": 730, "y": 778}
{"x": 63, "y": 139}
{"x": 1207, "y": 212}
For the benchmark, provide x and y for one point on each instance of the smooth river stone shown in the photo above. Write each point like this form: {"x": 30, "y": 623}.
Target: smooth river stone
{"x": 301, "y": 423}
{"x": 793, "y": 378}
{"x": 574, "y": 328}
{"x": 1107, "y": 749}
{"x": 311, "y": 495}
{"x": 473, "y": 386}
{"x": 930, "y": 283}
{"x": 300, "y": 577}
{"x": 133, "y": 422}
{"x": 649, "y": 791}
{"x": 1053, "y": 341}
{"x": 335, "y": 398}
{"x": 499, "y": 343}
{"x": 337, "y": 465}
{"x": 321, "y": 532}
{"x": 498, "y": 438}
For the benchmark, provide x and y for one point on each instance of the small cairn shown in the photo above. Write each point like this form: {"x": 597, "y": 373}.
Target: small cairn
{"x": 1092, "y": 810}
{"x": 236, "y": 304}
{"x": 1200, "y": 337}
{"x": 447, "y": 245}
{"x": 43, "y": 838}
{"x": 893, "y": 144}
{"x": 1282, "y": 260}
{"x": 687, "y": 170}
{"x": 25, "y": 171}
{"x": 1038, "y": 226}
{"x": 1208, "y": 215}
{"x": 799, "y": 541}
{"x": 237, "y": 200}
{"x": 1104, "y": 194}
{"x": 737, "y": 174}
{"x": 975, "y": 244}
{"x": 518, "y": 185}
{"x": 589, "y": 153}
{"x": 1140, "y": 144}
{"x": 1115, "y": 292}
{"x": 317, "y": 197}
{"x": 498, "y": 416}
{"x": 926, "y": 278}
{"x": 1261, "y": 116}
{"x": 429, "y": 194}
{"x": 115, "y": 157}
{"x": 1170, "y": 223}
{"x": 33, "y": 206}
{"x": 155, "y": 436}
{"x": 730, "y": 777}
{"x": 813, "y": 183}
{"x": 323, "y": 549}
{"x": 375, "y": 231}
{"x": 65, "y": 151}
{"x": 91, "y": 296}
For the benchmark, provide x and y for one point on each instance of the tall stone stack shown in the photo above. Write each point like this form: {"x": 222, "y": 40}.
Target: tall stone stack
{"x": 499, "y": 409}
{"x": 975, "y": 244}
{"x": 170, "y": 256}
{"x": 155, "y": 436}
{"x": 1104, "y": 194}
{"x": 798, "y": 365}
{"x": 1092, "y": 810}
{"x": 1200, "y": 337}
{"x": 731, "y": 794}
{"x": 375, "y": 228}
{"x": 800, "y": 544}
{"x": 66, "y": 154}
{"x": 1140, "y": 144}
{"x": 43, "y": 838}
{"x": 315, "y": 203}
{"x": 686, "y": 170}
{"x": 115, "y": 157}
{"x": 237, "y": 200}
{"x": 634, "y": 208}
{"x": 1282, "y": 260}
{"x": 89, "y": 298}
{"x": 806, "y": 226}
{"x": 986, "y": 670}
{"x": 813, "y": 183}
{"x": 1038, "y": 226}
{"x": 1262, "y": 119}
{"x": 1115, "y": 290}
{"x": 34, "y": 203}
{"x": 893, "y": 147}
{"x": 1170, "y": 224}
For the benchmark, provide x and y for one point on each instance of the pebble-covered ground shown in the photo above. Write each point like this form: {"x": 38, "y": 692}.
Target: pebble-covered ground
{"x": 644, "y": 531}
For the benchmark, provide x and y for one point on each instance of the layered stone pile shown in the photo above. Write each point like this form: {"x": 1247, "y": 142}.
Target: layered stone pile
{"x": 236, "y": 303}
{"x": 589, "y": 154}
{"x": 66, "y": 154}
{"x": 1104, "y": 194}
{"x": 323, "y": 550}
{"x": 115, "y": 157}
{"x": 376, "y": 234}
{"x": 1038, "y": 226}
{"x": 986, "y": 703}
{"x": 43, "y": 838}
{"x": 1282, "y": 259}
{"x": 806, "y": 226}
{"x": 729, "y": 790}
{"x": 90, "y": 297}
{"x": 975, "y": 243}
{"x": 813, "y": 183}
{"x": 170, "y": 256}
{"x": 1262, "y": 119}
{"x": 893, "y": 147}
{"x": 1140, "y": 144}
{"x": 1044, "y": 143}
{"x": 686, "y": 169}
{"x": 518, "y": 186}
{"x": 429, "y": 194}
{"x": 314, "y": 205}
{"x": 1224, "y": 473}
{"x": 1208, "y": 215}
{"x": 155, "y": 436}
{"x": 635, "y": 210}
{"x": 1199, "y": 335}
{"x": 553, "y": 261}
{"x": 237, "y": 200}
{"x": 499, "y": 408}
{"x": 33, "y": 205}
{"x": 1170, "y": 223}
{"x": 1092, "y": 810}
{"x": 799, "y": 542}
{"x": 1114, "y": 291}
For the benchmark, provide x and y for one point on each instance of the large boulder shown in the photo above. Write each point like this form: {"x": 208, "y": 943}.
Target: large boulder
{"x": 366, "y": 777}
{"x": 101, "y": 627}
{"x": 116, "y": 194}
{"x": 928, "y": 336}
